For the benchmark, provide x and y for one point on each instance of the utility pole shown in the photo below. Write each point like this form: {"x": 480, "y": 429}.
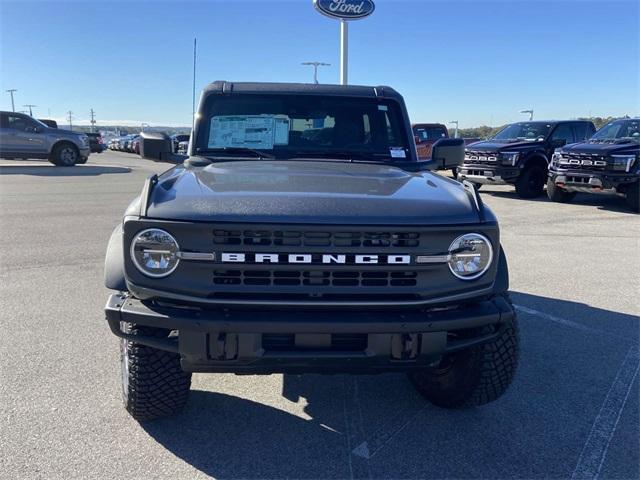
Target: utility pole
{"x": 455, "y": 133}
{"x": 315, "y": 66}
{"x": 10, "y": 91}
{"x": 530, "y": 112}
{"x": 93, "y": 120}
{"x": 193, "y": 91}
{"x": 30, "y": 105}
{"x": 70, "y": 116}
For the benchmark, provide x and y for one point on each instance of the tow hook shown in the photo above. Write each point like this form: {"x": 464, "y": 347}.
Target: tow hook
{"x": 405, "y": 346}
{"x": 224, "y": 346}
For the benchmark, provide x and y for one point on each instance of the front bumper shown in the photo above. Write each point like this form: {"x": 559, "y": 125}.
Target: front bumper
{"x": 592, "y": 181}
{"x": 488, "y": 174}
{"x": 294, "y": 341}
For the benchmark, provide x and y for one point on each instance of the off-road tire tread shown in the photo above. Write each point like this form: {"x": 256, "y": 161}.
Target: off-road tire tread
{"x": 556, "y": 194}
{"x": 495, "y": 364}
{"x": 632, "y": 197}
{"x": 522, "y": 183}
{"x": 158, "y": 386}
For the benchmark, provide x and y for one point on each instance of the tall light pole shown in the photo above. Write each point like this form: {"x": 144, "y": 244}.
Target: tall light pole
{"x": 93, "y": 119}
{"x": 30, "y": 105}
{"x": 315, "y": 66}
{"x": 10, "y": 91}
{"x": 530, "y": 112}
{"x": 455, "y": 132}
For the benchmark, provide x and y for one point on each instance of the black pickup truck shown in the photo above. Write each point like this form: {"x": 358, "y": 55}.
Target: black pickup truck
{"x": 520, "y": 153}
{"x": 609, "y": 163}
{"x": 302, "y": 235}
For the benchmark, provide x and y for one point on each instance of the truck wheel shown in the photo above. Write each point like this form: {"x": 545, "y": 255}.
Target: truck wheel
{"x": 557, "y": 194}
{"x": 530, "y": 183}
{"x": 65, "y": 154}
{"x": 633, "y": 197}
{"x": 472, "y": 377}
{"x": 153, "y": 383}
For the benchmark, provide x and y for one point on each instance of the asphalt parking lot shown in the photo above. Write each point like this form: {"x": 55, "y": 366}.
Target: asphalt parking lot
{"x": 572, "y": 411}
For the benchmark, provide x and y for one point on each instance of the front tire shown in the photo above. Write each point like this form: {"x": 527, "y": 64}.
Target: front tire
{"x": 65, "y": 154}
{"x": 153, "y": 383}
{"x": 530, "y": 183}
{"x": 557, "y": 194}
{"x": 633, "y": 197}
{"x": 474, "y": 376}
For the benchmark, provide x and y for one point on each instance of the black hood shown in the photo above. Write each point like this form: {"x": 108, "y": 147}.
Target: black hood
{"x": 310, "y": 192}
{"x": 597, "y": 148}
{"x": 498, "y": 146}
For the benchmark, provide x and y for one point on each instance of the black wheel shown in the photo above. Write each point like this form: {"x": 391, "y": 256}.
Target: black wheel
{"x": 633, "y": 197}
{"x": 65, "y": 155}
{"x": 557, "y": 194}
{"x": 530, "y": 183}
{"x": 472, "y": 377}
{"x": 153, "y": 383}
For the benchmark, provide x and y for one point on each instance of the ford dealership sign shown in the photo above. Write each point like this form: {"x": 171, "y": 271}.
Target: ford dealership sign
{"x": 345, "y": 9}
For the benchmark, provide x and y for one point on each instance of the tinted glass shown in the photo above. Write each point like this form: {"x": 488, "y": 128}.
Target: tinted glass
{"x": 429, "y": 133}
{"x": 563, "y": 132}
{"x": 16, "y": 122}
{"x": 582, "y": 131}
{"x": 619, "y": 130}
{"x": 290, "y": 125}
{"x": 525, "y": 131}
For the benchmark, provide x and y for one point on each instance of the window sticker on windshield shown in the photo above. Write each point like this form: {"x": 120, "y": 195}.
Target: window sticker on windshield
{"x": 251, "y": 131}
{"x": 397, "y": 152}
{"x": 383, "y": 108}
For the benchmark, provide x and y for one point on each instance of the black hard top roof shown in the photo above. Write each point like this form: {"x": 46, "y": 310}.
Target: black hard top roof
{"x": 220, "y": 86}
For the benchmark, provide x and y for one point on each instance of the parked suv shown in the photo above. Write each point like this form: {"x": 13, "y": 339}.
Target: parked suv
{"x": 303, "y": 235}
{"x": 609, "y": 162}
{"x": 520, "y": 153}
{"x": 95, "y": 142}
{"x": 24, "y": 137}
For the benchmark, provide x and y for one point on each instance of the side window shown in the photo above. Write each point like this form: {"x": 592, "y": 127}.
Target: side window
{"x": 15, "y": 122}
{"x": 422, "y": 134}
{"x": 563, "y": 132}
{"x": 582, "y": 131}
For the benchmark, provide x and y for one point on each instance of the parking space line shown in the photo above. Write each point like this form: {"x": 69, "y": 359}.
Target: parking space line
{"x": 604, "y": 426}
{"x": 358, "y": 465}
{"x": 570, "y": 323}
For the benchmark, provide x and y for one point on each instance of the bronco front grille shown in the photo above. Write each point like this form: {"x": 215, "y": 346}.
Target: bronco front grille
{"x": 297, "y": 238}
{"x": 316, "y": 278}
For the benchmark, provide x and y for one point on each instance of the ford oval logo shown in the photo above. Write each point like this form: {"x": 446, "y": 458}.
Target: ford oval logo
{"x": 345, "y": 9}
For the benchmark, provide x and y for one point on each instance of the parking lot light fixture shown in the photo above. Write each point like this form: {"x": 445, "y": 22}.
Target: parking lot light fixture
{"x": 315, "y": 66}
{"x": 30, "y": 106}
{"x": 530, "y": 112}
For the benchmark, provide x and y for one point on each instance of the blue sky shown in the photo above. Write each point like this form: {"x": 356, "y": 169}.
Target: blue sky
{"x": 476, "y": 61}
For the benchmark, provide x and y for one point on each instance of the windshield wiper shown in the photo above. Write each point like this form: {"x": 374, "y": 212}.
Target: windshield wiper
{"x": 257, "y": 153}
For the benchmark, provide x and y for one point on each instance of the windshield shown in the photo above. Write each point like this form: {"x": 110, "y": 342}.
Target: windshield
{"x": 286, "y": 126}
{"x": 619, "y": 130}
{"x": 526, "y": 131}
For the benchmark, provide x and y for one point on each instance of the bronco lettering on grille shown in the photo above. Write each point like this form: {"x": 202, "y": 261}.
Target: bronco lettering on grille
{"x": 293, "y": 258}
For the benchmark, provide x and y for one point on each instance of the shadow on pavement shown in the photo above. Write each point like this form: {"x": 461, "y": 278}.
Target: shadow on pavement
{"x": 53, "y": 171}
{"x": 564, "y": 375}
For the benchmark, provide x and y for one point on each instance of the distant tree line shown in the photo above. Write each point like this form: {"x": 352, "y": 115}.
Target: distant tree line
{"x": 486, "y": 131}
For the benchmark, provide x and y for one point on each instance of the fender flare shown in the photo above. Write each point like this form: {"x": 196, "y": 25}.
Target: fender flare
{"x": 501, "y": 284}
{"x": 114, "y": 262}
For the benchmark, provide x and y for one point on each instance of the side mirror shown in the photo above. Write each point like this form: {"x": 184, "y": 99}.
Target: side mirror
{"x": 448, "y": 152}
{"x": 558, "y": 142}
{"x": 155, "y": 146}
{"x": 417, "y": 139}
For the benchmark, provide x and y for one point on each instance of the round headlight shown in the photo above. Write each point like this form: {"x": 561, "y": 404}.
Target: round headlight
{"x": 471, "y": 256}
{"x": 155, "y": 252}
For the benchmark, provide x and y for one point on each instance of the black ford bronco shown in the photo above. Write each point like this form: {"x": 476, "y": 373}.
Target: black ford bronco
{"x": 301, "y": 235}
{"x": 520, "y": 153}
{"x": 609, "y": 162}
